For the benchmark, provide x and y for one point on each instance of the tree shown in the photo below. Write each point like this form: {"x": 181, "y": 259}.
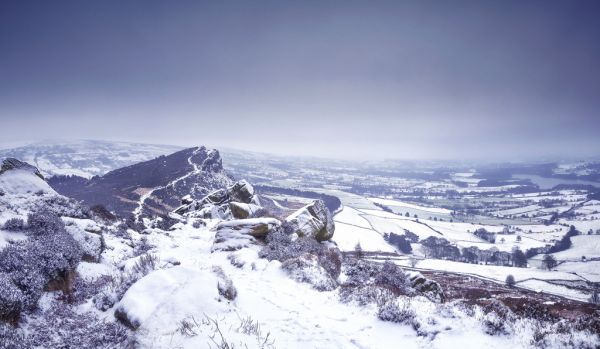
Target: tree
{"x": 358, "y": 250}
{"x": 519, "y": 238}
{"x": 399, "y": 241}
{"x": 519, "y": 258}
{"x": 595, "y": 297}
{"x": 549, "y": 261}
{"x": 510, "y": 280}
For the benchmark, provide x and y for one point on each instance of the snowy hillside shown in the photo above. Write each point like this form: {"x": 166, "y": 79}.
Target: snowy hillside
{"x": 85, "y": 158}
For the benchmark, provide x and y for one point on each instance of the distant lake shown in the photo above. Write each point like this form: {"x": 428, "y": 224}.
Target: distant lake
{"x": 549, "y": 183}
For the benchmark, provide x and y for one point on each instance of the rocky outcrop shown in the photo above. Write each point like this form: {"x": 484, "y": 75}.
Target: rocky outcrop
{"x": 313, "y": 220}
{"x": 236, "y": 234}
{"x": 237, "y": 201}
{"x": 427, "y": 287}
{"x": 14, "y": 164}
{"x": 150, "y": 188}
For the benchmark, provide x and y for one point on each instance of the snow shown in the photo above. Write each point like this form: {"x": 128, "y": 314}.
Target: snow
{"x": 395, "y": 204}
{"x": 7, "y": 236}
{"x": 582, "y": 245}
{"x": 293, "y": 314}
{"x": 347, "y": 236}
{"x": 23, "y": 182}
{"x": 349, "y": 215}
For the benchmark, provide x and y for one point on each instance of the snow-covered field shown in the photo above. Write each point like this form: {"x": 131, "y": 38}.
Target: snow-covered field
{"x": 367, "y": 226}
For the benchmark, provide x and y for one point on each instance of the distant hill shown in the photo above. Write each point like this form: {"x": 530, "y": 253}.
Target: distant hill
{"x": 85, "y": 158}
{"x": 150, "y": 187}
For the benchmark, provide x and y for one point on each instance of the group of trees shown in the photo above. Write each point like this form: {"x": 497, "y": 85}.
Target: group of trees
{"x": 399, "y": 241}
{"x": 441, "y": 248}
{"x": 482, "y": 233}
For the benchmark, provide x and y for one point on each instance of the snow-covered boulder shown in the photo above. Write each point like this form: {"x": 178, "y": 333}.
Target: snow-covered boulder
{"x": 313, "y": 220}
{"x": 235, "y": 234}
{"x": 242, "y": 211}
{"x": 429, "y": 288}
{"x": 167, "y": 295}
{"x": 306, "y": 268}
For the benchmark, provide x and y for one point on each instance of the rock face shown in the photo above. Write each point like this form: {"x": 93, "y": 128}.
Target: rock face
{"x": 236, "y": 234}
{"x": 236, "y": 201}
{"x": 313, "y": 220}
{"x": 14, "y": 164}
{"x": 429, "y": 288}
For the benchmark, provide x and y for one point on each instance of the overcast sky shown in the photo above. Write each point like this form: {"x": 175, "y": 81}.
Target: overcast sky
{"x": 418, "y": 79}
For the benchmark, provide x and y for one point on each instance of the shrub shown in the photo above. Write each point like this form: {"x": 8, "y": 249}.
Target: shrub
{"x": 61, "y": 327}
{"x": 392, "y": 312}
{"x": 549, "y": 261}
{"x": 44, "y": 222}
{"x": 497, "y": 317}
{"x": 595, "y": 297}
{"x": 13, "y": 338}
{"x": 121, "y": 231}
{"x": 281, "y": 247}
{"x": 101, "y": 212}
{"x": 11, "y": 299}
{"x": 393, "y": 278}
{"x": 225, "y": 285}
{"x": 14, "y": 224}
{"x": 364, "y": 295}
{"x": 510, "y": 280}
{"x": 145, "y": 264}
{"x": 307, "y": 268}
{"x": 32, "y": 264}
{"x": 358, "y": 251}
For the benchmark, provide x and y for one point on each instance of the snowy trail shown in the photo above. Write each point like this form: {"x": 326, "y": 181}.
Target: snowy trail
{"x": 140, "y": 208}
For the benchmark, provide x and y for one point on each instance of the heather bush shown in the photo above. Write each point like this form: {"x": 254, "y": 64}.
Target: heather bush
{"x": 391, "y": 311}
{"x": 61, "y": 327}
{"x": 393, "y": 278}
{"x": 121, "y": 231}
{"x": 114, "y": 287}
{"x": 307, "y": 268}
{"x": 13, "y": 338}
{"x": 44, "y": 222}
{"x": 369, "y": 282}
{"x": 280, "y": 246}
{"x": 14, "y": 224}
{"x": 32, "y": 264}
{"x": 11, "y": 299}
{"x": 363, "y": 295}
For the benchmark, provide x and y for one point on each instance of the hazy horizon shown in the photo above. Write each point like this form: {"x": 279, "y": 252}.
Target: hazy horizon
{"x": 407, "y": 80}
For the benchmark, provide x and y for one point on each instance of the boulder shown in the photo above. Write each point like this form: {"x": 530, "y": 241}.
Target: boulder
{"x": 241, "y": 191}
{"x": 427, "y": 287}
{"x": 313, "y": 220}
{"x": 236, "y": 234}
{"x": 242, "y": 211}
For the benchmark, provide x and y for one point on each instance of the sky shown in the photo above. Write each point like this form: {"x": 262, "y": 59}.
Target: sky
{"x": 349, "y": 79}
